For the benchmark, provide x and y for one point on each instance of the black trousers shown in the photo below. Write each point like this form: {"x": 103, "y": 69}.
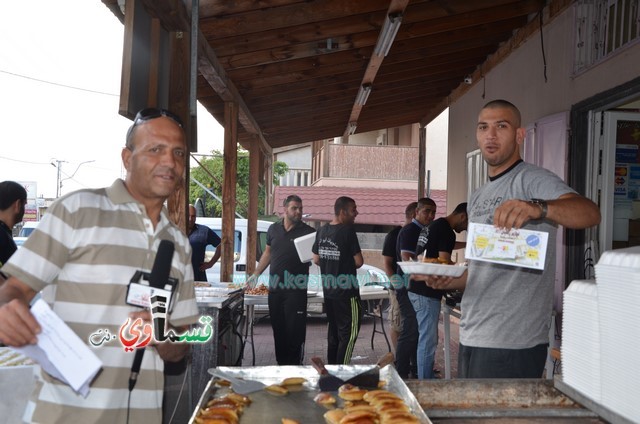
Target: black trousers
{"x": 483, "y": 362}
{"x": 344, "y": 317}
{"x": 288, "y": 312}
{"x": 407, "y": 348}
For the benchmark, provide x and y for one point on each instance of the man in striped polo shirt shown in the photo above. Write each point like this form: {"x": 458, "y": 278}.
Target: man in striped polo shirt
{"x": 87, "y": 247}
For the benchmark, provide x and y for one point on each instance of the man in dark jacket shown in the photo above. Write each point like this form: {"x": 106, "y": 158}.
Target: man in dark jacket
{"x": 13, "y": 197}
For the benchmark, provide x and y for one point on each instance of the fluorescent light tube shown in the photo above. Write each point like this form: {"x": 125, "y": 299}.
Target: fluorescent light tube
{"x": 363, "y": 94}
{"x": 388, "y": 34}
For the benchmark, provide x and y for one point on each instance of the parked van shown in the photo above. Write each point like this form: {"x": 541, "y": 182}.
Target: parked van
{"x": 239, "y": 249}
{"x": 367, "y": 274}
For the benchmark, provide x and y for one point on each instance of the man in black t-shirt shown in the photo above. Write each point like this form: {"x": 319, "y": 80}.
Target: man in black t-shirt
{"x": 436, "y": 241}
{"x": 337, "y": 252}
{"x": 288, "y": 278}
{"x": 406, "y": 251}
{"x": 390, "y": 265}
{"x": 13, "y": 198}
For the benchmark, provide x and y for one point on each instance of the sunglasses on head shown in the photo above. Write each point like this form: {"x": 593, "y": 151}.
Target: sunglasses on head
{"x": 153, "y": 113}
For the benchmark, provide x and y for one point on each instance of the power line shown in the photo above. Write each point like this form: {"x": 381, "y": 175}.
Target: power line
{"x": 49, "y": 163}
{"x": 25, "y": 161}
{"x": 58, "y": 84}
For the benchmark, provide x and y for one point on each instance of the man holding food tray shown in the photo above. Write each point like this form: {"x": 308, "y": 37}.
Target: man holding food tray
{"x": 506, "y": 309}
{"x": 406, "y": 251}
{"x": 437, "y": 241}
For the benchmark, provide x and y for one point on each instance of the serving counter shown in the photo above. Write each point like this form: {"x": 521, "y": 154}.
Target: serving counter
{"x": 507, "y": 401}
{"x": 433, "y": 401}
{"x": 226, "y": 308}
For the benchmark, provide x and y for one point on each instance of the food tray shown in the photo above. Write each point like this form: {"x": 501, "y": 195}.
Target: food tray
{"x": 432, "y": 269}
{"x": 299, "y": 405}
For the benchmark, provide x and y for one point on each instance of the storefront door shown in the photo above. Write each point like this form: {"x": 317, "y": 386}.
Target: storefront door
{"x": 619, "y": 180}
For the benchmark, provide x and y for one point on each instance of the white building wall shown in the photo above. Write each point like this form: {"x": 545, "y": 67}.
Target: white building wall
{"x": 520, "y": 80}
{"x": 296, "y": 158}
{"x": 437, "y": 149}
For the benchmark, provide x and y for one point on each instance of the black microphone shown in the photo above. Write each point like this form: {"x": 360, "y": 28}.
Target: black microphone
{"x": 158, "y": 278}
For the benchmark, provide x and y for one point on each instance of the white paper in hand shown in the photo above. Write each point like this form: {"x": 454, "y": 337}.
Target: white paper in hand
{"x": 304, "y": 244}
{"x": 60, "y": 352}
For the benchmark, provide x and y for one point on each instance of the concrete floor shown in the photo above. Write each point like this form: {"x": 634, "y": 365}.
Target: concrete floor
{"x": 316, "y": 343}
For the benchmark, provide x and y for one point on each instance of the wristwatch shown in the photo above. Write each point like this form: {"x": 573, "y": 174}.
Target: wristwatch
{"x": 543, "y": 207}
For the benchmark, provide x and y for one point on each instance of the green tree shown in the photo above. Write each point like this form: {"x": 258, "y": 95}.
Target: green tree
{"x": 210, "y": 174}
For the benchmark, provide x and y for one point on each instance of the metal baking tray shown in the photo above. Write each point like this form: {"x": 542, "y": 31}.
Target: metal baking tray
{"x": 299, "y": 405}
{"x": 509, "y": 400}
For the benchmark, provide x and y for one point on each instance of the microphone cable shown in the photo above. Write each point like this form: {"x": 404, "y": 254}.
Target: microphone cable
{"x": 158, "y": 277}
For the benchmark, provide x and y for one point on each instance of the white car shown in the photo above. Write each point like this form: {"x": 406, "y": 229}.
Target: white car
{"x": 240, "y": 247}
{"x": 367, "y": 274}
{"x": 25, "y": 231}
{"x": 19, "y": 241}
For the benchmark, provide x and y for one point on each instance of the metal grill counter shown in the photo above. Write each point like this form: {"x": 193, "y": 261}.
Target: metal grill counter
{"x": 225, "y": 306}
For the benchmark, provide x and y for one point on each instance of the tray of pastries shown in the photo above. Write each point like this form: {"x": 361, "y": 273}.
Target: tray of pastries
{"x": 291, "y": 395}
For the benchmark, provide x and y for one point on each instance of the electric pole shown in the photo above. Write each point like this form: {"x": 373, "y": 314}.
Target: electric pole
{"x": 58, "y": 165}
{"x": 59, "y": 180}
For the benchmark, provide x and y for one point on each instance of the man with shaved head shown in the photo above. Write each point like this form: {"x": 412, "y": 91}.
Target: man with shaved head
{"x": 506, "y": 310}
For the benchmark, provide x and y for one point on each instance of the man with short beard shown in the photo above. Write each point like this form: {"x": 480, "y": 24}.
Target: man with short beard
{"x": 337, "y": 252}
{"x": 287, "y": 283}
{"x": 13, "y": 197}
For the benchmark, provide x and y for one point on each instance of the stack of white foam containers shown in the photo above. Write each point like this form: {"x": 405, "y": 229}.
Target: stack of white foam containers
{"x": 581, "y": 339}
{"x": 618, "y": 281}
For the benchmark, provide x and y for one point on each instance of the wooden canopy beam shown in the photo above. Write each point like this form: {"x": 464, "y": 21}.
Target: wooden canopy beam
{"x": 174, "y": 16}
{"x": 375, "y": 62}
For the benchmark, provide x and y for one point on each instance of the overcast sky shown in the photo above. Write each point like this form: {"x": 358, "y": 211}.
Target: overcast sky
{"x": 60, "y": 65}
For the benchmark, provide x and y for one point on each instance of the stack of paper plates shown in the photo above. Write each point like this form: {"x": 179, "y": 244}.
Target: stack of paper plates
{"x": 618, "y": 280}
{"x": 581, "y": 338}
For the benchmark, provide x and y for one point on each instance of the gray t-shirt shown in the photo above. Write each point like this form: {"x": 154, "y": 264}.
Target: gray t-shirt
{"x": 504, "y": 306}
